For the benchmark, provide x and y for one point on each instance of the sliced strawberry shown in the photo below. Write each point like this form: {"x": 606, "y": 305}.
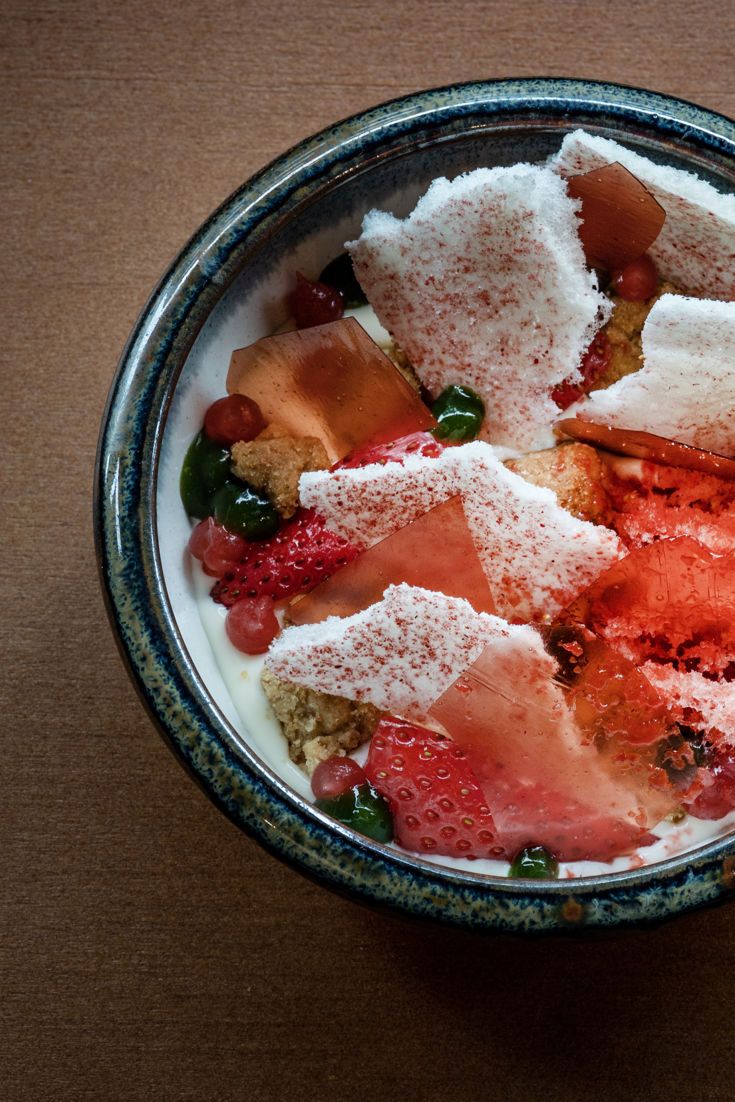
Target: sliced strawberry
{"x": 416, "y": 443}
{"x": 437, "y": 804}
{"x": 300, "y": 555}
{"x": 594, "y": 362}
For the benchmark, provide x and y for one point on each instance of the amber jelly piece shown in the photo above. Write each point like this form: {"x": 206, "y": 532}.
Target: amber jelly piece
{"x": 620, "y": 219}
{"x": 645, "y": 445}
{"x": 434, "y": 552}
{"x": 330, "y": 381}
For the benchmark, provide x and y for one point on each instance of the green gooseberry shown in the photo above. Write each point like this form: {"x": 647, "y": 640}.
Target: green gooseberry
{"x": 534, "y": 863}
{"x": 459, "y": 413}
{"x": 206, "y": 467}
{"x": 361, "y": 808}
{"x": 245, "y": 511}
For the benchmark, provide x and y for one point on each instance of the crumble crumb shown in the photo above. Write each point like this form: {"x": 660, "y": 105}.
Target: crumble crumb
{"x": 576, "y": 474}
{"x": 275, "y": 461}
{"x": 400, "y": 360}
{"x": 624, "y": 334}
{"x": 317, "y": 725}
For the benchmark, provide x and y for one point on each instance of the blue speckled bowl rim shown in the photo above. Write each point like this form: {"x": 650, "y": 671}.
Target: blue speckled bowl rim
{"x": 125, "y": 519}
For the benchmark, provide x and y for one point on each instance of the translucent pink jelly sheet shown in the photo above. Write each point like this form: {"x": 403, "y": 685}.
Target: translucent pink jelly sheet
{"x": 331, "y": 381}
{"x": 543, "y": 782}
{"x": 434, "y": 552}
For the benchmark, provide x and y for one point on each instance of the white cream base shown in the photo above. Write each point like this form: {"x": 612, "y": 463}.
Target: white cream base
{"x": 262, "y": 732}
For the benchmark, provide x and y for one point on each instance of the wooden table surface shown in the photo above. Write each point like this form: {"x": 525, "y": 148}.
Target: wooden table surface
{"x": 148, "y": 949}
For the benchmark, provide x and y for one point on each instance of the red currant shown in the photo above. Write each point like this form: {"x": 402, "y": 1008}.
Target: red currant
{"x": 199, "y": 538}
{"x": 217, "y": 549}
{"x": 315, "y": 303}
{"x": 233, "y": 418}
{"x": 225, "y": 550}
{"x": 336, "y": 775}
{"x": 252, "y": 625}
{"x": 638, "y": 281}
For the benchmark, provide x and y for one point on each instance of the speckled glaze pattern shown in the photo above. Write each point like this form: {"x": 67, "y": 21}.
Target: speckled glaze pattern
{"x": 247, "y": 227}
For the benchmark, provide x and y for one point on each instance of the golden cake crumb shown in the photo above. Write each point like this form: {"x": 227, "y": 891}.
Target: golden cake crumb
{"x": 318, "y": 726}
{"x": 575, "y": 473}
{"x": 274, "y": 463}
{"x": 623, "y": 331}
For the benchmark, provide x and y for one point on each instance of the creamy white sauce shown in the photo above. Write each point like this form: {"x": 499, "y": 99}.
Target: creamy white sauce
{"x": 241, "y": 674}
{"x": 262, "y": 731}
{"x": 369, "y": 321}
{"x": 367, "y": 318}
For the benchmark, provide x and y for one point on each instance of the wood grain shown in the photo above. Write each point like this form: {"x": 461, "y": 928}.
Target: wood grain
{"x": 149, "y": 950}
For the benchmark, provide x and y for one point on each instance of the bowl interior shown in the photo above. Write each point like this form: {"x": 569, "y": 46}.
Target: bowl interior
{"x": 253, "y": 305}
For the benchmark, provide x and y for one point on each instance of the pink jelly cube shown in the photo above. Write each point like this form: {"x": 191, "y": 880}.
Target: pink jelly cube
{"x": 330, "y": 381}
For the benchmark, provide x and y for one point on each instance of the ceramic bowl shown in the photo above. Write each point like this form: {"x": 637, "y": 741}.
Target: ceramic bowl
{"x": 227, "y": 288}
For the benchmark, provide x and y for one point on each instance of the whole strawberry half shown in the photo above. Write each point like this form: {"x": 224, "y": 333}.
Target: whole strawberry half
{"x": 300, "y": 556}
{"x": 437, "y": 803}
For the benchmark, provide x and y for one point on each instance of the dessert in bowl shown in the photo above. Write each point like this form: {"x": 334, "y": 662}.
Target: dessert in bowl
{"x": 510, "y": 619}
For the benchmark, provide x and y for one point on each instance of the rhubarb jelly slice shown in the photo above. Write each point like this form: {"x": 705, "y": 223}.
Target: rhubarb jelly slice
{"x": 626, "y": 717}
{"x": 620, "y": 219}
{"x": 646, "y": 445}
{"x": 434, "y": 552}
{"x": 330, "y": 381}
{"x": 672, "y": 601}
{"x": 544, "y": 778}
